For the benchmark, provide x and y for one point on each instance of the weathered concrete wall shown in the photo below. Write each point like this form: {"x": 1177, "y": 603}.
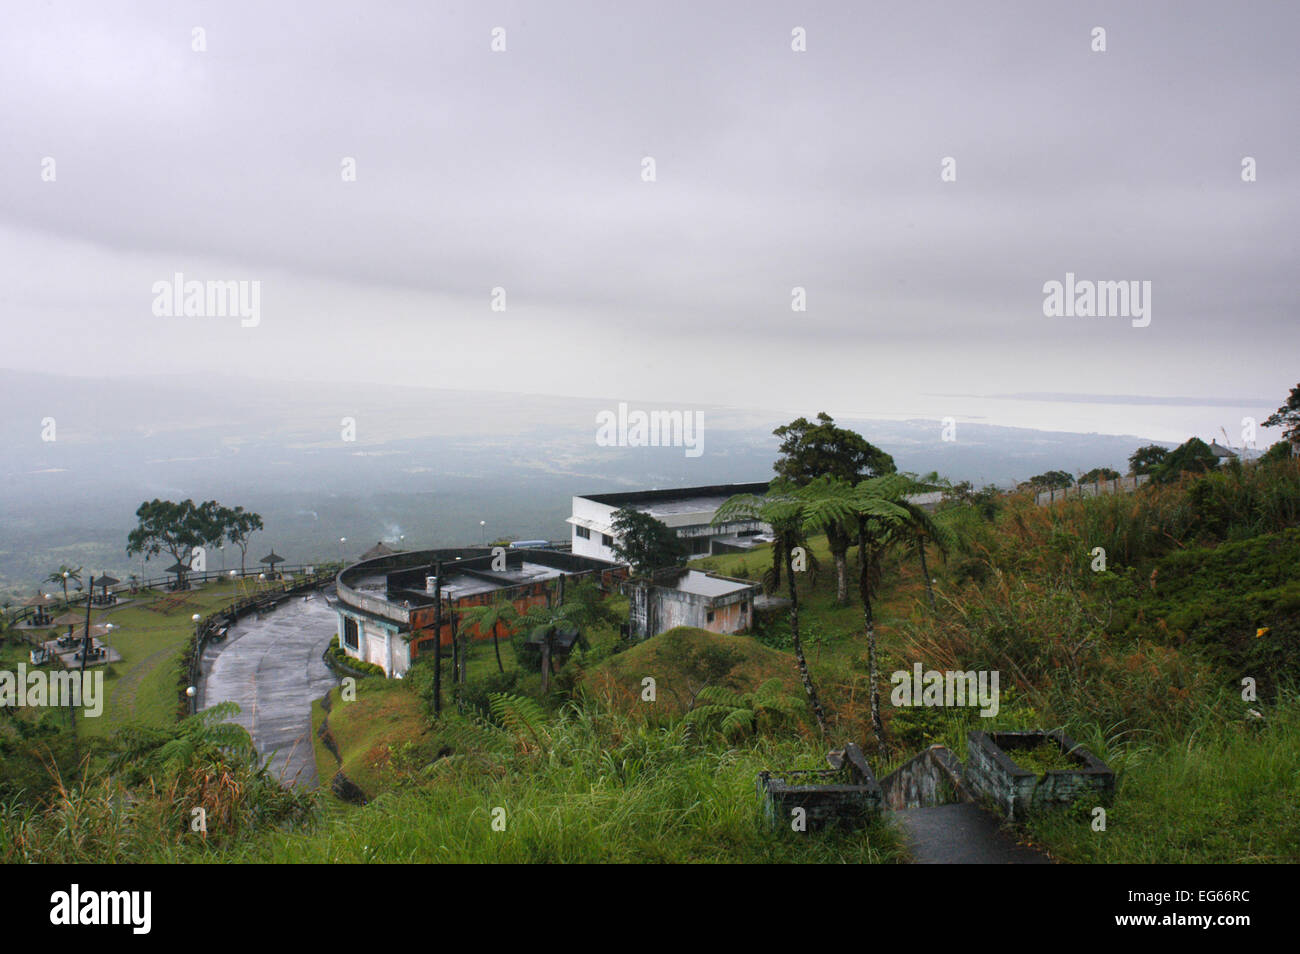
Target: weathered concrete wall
{"x": 656, "y": 609}
{"x": 934, "y": 777}
{"x": 993, "y": 776}
{"x": 846, "y": 797}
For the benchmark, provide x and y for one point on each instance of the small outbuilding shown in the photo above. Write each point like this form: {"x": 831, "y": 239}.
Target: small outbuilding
{"x": 683, "y": 597}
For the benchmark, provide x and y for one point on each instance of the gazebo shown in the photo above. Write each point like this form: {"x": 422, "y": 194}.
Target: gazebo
{"x": 177, "y": 568}
{"x": 73, "y": 619}
{"x": 105, "y": 598}
{"x": 271, "y": 559}
{"x": 380, "y": 549}
{"x": 41, "y": 600}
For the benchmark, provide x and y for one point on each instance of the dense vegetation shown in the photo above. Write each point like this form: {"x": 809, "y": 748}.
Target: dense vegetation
{"x": 1157, "y": 628}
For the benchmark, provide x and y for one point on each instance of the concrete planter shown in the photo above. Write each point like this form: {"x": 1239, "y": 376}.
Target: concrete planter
{"x": 993, "y": 776}
{"x": 847, "y": 796}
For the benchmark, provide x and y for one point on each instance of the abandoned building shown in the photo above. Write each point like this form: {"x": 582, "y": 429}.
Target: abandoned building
{"x": 687, "y": 510}
{"x": 685, "y": 597}
{"x": 386, "y": 606}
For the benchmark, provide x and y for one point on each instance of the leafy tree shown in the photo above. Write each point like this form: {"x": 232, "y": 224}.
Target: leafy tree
{"x": 878, "y": 508}
{"x": 173, "y": 528}
{"x": 1098, "y": 474}
{"x": 923, "y": 529}
{"x": 1194, "y": 456}
{"x": 237, "y": 526}
{"x": 63, "y": 575}
{"x": 1282, "y": 450}
{"x": 787, "y": 514}
{"x": 811, "y": 450}
{"x": 1052, "y": 480}
{"x": 646, "y": 543}
{"x": 1146, "y": 459}
{"x": 1287, "y": 417}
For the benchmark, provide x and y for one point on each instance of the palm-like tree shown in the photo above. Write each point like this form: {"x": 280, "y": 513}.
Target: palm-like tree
{"x": 63, "y": 575}
{"x": 879, "y": 510}
{"x": 785, "y": 508}
{"x": 581, "y": 609}
{"x": 923, "y": 528}
{"x": 488, "y": 617}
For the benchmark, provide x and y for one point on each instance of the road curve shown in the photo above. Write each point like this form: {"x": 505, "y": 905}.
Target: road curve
{"x": 271, "y": 666}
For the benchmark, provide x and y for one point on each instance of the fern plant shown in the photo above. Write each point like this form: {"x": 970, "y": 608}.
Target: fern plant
{"x": 522, "y": 719}
{"x": 737, "y": 715}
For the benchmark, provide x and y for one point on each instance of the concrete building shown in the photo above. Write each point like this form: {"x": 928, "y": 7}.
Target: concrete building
{"x": 386, "y": 608}
{"x": 687, "y": 510}
{"x": 685, "y": 597}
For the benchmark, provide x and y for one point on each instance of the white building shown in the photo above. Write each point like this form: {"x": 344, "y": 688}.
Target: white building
{"x": 688, "y": 510}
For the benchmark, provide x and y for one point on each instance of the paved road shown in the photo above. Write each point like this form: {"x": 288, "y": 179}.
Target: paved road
{"x": 272, "y": 667}
{"x": 961, "y": 834}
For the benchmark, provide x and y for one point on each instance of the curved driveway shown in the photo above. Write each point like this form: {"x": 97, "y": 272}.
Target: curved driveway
{"x": 272, "y": 667}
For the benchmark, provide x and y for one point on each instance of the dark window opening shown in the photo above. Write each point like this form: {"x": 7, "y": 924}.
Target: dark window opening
{"x": 582, "y": 532}
{"x": 350, "y": 633}
{"x": 606, "y": 540}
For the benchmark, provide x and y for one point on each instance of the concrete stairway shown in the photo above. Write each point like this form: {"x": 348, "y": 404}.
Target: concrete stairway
{"x": 960, "y": 834}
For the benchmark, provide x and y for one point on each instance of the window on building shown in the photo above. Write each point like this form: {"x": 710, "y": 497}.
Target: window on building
{"x": 700, "y": 545}
{"x": 582, "y": 532}
{"x": 606, "y": 540}
{"x": 709, "y": 616}
{"x": 349, "y": 632}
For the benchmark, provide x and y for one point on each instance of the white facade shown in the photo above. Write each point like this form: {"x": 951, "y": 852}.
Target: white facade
{"x": 689, "y": 511}
{"x": 376, "y": 642}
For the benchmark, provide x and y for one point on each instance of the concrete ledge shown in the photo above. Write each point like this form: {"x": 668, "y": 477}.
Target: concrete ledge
{"x": 933, "y": 777}
{"x": 847, "y": 796}
{"x": 993, "y": 776}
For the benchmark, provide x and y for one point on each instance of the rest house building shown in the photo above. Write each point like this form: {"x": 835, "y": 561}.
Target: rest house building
{"x": 386, "y": 611}
{"x": 688, "y": 511}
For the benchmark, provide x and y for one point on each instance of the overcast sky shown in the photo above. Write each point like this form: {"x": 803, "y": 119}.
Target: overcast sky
{"x": 523, "y": 169}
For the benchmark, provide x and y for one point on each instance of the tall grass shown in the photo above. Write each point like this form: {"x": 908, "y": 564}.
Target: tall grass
{"x": 587, "y": 786}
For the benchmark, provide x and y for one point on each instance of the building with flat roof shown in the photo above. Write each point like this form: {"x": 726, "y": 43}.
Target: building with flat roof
{"x": 685, "y": 597}
{"x": 386, "y": 606}
{"x": 687, "y": 510}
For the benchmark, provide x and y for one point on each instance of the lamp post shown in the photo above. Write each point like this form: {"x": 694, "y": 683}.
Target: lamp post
{"x": 342, "y": 540}
{"x": 482, "y": 532}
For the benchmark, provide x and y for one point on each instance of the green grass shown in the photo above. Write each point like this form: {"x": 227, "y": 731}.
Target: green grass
{"x": 601, "y": 790}
{"x": 1230, "y": 793}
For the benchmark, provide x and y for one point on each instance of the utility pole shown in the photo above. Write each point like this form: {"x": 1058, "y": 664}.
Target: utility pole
{"x": 437, "y": 640}
{"x": 85, "y": 651}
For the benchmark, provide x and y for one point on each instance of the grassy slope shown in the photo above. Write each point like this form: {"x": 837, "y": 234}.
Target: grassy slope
{"x": 619, "y": 678}
{"x": 370, "y": 730}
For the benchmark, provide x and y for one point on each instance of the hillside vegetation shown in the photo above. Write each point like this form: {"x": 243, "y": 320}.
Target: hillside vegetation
{"x": 1141, "y": 659}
